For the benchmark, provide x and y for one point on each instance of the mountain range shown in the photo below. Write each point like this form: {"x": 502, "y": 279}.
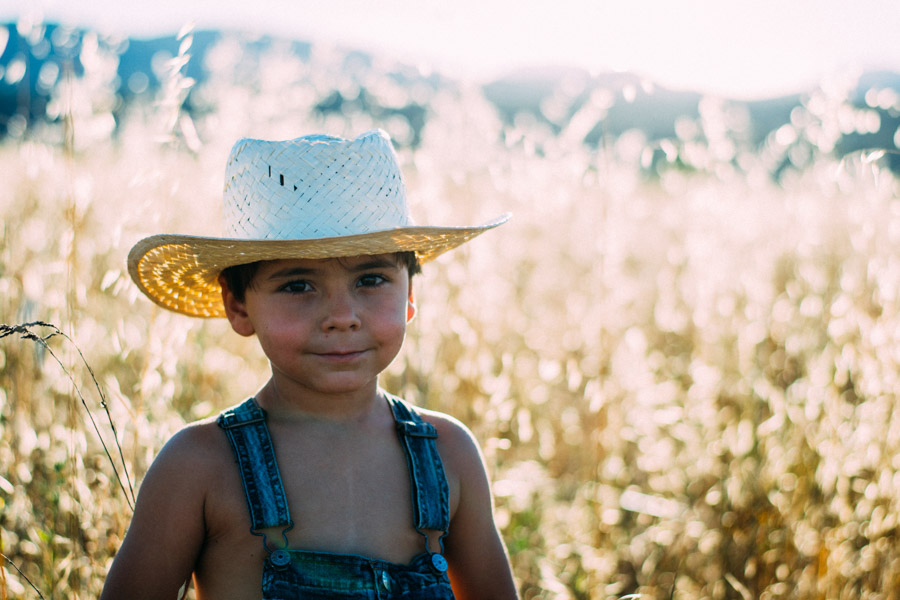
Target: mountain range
{"x": 33, "y": 60}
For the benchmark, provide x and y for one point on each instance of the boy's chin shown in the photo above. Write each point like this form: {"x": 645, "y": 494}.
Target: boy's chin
{"x": 342, "y": 384}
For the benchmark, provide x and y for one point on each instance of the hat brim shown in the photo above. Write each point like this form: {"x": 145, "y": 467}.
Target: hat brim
{"x": 180, "y": 272}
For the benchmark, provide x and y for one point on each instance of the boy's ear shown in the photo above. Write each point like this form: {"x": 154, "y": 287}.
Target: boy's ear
{"x": 236, "y": 311}
{"x": 410, "y": 304}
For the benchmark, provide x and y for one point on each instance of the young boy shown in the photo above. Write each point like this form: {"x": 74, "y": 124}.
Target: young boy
{"x": 322, "y": 485}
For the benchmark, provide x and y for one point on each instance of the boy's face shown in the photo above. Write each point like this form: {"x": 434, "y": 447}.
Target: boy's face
{"x": 328, "y": 326}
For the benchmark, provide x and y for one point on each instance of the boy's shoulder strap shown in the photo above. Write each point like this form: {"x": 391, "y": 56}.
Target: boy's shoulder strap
{"x": 245, "y": 427}
{"x": 430, "y": 493}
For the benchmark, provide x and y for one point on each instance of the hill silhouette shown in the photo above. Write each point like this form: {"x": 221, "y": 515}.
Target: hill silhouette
{"x": 33, "y": 61}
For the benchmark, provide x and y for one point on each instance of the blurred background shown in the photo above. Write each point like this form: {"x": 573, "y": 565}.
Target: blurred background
{"x": 680, "y": 356}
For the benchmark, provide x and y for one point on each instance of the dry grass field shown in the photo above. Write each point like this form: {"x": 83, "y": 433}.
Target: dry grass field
{"x": 684, "y": 381}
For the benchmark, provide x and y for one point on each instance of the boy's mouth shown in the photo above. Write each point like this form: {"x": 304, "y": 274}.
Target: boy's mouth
{"x": 341, "y": 354}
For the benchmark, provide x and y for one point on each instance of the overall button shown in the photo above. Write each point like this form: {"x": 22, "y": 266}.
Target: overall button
{"x": 280, "y": 559}
{"x": 439, "y": 563}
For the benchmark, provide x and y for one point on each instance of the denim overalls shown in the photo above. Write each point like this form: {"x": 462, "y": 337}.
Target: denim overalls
{"x": 294, "y": 574}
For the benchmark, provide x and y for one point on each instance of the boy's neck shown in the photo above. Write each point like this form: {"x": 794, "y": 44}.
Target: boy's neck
{"x": 283, "y": 403}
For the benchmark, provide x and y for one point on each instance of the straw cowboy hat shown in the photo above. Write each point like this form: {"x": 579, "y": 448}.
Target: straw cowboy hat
{"x": 311, "y": 197}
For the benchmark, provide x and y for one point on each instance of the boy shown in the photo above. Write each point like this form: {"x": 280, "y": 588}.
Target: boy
{"x": 322, "y": 485}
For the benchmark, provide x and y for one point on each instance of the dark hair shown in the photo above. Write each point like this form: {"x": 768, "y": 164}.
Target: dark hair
{"x": 240, "y": 277}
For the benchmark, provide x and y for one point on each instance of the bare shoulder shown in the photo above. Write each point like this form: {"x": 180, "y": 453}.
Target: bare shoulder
{"x": 451, "y": 431}
{"x": 457, "y": 445}
{"x": 196, "y": 443}
{"x": 194, "y": 452}
{"x": 479, "y": 565}
{"x": 463, "y": 464}
{"x": 169, "y": 525}
{"x": 187, "y": 468}
{"x": 189, "y": 472}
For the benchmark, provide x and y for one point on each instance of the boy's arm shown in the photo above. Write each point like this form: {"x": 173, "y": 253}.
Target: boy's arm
{"x": 478, "y": 563}
{"x": 167, "y": 530}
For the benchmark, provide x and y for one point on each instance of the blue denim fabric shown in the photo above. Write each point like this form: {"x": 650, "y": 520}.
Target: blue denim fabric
{"x": 430, "y": 494}
{"x": 293, "y": 574}
{"x": 321, "y": 576}
{"x": 246, "y": 429}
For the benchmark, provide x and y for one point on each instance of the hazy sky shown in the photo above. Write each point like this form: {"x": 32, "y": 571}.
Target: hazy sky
{"x": 749, "y": 48}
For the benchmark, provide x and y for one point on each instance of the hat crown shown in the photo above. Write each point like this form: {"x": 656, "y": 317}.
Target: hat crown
{"x": 312, "y": 197}
{"x": 313, "y": 187}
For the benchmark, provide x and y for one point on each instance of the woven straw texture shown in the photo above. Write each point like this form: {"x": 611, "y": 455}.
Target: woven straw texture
{"x": 313, "y": 187}
{"x": 313, "y": 197}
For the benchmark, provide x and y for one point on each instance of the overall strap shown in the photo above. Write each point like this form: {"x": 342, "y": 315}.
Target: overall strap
{"x": 430, "y": 493}
{"x": 245, "y": 426}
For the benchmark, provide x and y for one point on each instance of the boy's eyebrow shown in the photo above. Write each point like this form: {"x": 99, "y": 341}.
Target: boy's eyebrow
{"x": 376, "y": 262}
{"x": 291, "y": 272}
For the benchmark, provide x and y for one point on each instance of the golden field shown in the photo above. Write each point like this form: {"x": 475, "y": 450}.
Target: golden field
{"x": 683, "y": 380}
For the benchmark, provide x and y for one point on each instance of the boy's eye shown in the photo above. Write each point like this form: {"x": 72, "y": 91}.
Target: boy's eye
{"x": 371, "y": 280}
{"x": 296, "y": 287}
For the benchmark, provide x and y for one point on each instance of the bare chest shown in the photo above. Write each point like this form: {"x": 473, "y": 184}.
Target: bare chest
{"x": 347, "y": 493}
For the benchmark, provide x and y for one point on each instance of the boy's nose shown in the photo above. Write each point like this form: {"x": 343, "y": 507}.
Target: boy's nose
{"x": 340, "y": 313}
